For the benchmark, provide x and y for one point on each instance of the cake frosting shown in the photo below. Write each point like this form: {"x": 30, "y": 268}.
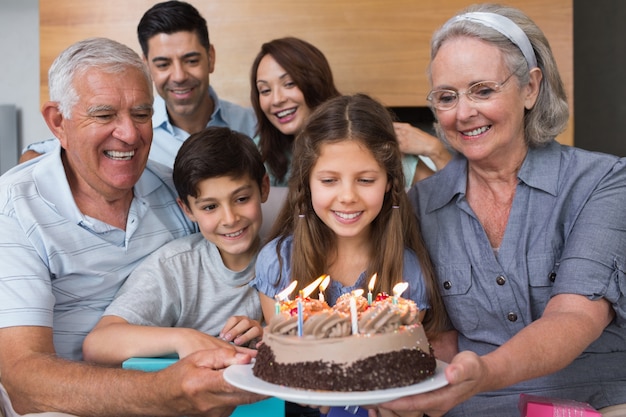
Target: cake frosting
{"x": 389, "y": 350}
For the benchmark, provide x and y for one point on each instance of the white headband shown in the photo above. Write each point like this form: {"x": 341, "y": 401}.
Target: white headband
{"x": 505, "y": 26}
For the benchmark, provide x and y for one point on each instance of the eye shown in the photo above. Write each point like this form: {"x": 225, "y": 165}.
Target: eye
{"x": 482, "y": 91}
{"x": 327, "y": 181}
{"x": 192, "y": 61}
{"x": 209, "y": 207}
{"x": 104, "y": 117}
{"x": 367, "y": 181}
{"x": 142, "y": 117}
{"x": 445, "y": 96}
{"x": 242, "y": 199}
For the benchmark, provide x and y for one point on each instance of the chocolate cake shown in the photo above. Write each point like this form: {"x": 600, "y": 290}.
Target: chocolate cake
{"x": 389, "y": 350}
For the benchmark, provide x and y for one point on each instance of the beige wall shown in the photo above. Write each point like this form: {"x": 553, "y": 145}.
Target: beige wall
{"x": 377, "y": 47}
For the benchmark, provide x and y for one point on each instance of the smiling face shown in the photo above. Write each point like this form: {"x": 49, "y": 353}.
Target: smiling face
{"x": 228, "y": 213}
{"x": 180, "y": 68}
{"x": 280, "y": 99}
{"x": 108, "y": 137}
{"x": 490, "y": 130}
{"x": 348, "y": 188}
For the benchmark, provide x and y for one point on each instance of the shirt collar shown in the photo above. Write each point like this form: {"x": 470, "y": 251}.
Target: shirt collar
{"x": 49, "y": 176}
{"x": 539, "y": 170}
{"x": 161, "y": 119}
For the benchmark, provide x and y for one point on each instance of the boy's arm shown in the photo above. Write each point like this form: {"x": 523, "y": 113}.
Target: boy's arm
{"x": 114, "y": 340}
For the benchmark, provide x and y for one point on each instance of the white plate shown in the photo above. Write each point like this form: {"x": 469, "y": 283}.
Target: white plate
{"x": 241, "y": 376}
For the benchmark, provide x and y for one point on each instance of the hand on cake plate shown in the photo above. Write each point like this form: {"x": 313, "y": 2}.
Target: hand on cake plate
{"x": 464, "y": 375}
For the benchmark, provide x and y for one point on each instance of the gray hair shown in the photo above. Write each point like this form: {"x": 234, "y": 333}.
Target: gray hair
{"x": 550, "y": 113}
{"x": 102, "y": 53}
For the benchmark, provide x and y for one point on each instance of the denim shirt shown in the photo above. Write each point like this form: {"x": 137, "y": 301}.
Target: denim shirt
{"x": 566, "y": 233}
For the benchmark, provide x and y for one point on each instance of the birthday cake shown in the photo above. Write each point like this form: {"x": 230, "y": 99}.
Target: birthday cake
{"x": 358, "y": 347}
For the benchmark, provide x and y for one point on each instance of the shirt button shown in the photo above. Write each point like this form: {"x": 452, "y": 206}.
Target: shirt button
{"x": 500, "y": 280}
{"x": 512, "y": 317}
{"x": 552, "y": 276}
{"x": 447, "y": 285}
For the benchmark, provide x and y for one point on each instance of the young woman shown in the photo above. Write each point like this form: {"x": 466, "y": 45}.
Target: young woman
{"x": 289, "y": 79}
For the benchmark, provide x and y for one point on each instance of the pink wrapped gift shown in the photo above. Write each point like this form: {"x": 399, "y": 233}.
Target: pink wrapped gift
{"x": 535, "y": 406}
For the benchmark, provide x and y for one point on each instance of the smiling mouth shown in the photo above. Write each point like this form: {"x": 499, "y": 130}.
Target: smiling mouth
{"x": 285, "y": 113}
{"x": 234, "y": 234}
{"x": 348, "y": 216}
{"x": 119, "y": 156}
{"x": 476, "y": 132}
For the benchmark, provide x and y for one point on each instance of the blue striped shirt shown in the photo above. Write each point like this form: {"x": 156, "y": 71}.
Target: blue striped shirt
{"x": 61, "y": 269}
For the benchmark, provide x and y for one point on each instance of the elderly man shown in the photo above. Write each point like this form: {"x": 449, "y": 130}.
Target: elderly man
{"x": 74, "y": 223}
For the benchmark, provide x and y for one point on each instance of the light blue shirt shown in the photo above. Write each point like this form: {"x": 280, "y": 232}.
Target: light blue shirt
{"x": 61, "y": 269}
{"x": 268, "y": 272}
{"x": 566, "y": 233}
{"x": 168, "y": 139}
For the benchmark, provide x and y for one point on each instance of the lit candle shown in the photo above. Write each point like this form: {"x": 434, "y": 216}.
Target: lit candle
{"x": 398, "y": 289}
{"x": 353, "y": 316}
{"x": 284, "y": 295}
{"x": 370, "y": 288}
{"x": 300, "y": 318}
{"x": 312, "y": 286}
{"x": 323, "y": 286}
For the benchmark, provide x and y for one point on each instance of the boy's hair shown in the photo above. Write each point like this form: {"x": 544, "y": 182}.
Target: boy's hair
{"x": 215, "y": 152}
{"x": 171, "y": 17}
{"x": 361, "y": 119}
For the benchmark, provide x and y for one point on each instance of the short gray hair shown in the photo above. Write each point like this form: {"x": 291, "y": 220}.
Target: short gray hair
{"x": 105, "y": 54}
{"x": 549, "y": 116}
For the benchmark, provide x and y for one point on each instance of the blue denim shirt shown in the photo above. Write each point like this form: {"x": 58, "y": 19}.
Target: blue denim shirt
{"x": 566, "y": 233}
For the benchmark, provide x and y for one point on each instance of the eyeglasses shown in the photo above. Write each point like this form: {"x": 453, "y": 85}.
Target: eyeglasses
{"x": 481, "y": 91}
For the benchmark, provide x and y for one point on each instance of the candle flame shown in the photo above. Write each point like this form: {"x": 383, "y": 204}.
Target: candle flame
{"x": 357, "y": 293}
{"x": 312, "y": 286}
{"x": 285, "y": 293}
{"x": 372, "y": 282}
{"x": 399, "y": 288}
{"x": 325, "y": 282}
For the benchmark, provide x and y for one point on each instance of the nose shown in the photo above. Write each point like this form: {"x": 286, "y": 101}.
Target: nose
{"x": 348, "y": 193}
{"x": 465, "y": 108}
{"x": 277, "y": 96}
{"x": 178, "y": 73}
{"x": 126, "y": 130}
{"x": 229, "y": 216}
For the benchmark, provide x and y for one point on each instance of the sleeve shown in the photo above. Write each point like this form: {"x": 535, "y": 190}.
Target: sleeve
{"x": 150, "y": 296}
{"x": 267, "y": 270}
{"x": 413, "y": 275}
{"x": 594, "y": 255}
{"x": 26, "y": 297}
{"x": 409, "y": 165}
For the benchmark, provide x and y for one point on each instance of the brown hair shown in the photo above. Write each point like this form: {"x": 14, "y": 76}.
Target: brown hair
{"x": 311, "y": 72}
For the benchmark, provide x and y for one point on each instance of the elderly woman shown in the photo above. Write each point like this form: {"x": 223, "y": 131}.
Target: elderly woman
{"x": 528, "y": 236}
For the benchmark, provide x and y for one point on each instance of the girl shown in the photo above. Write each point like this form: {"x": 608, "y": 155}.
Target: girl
{"x": 347, "y": 213}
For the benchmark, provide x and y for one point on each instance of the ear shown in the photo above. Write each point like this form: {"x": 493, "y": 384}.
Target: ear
{"x": 183, "y": 206}
{"x": 265, "y": 188}
{"x": 54, "y": 119}
{"x": 211, "y": 59}
{"x": 532, "y": 89}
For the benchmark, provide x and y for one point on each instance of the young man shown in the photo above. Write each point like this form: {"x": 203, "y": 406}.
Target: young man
{"x": 195, "y": 286}
{"x": 75, "y": 223}
{"x": 174, "y": 39}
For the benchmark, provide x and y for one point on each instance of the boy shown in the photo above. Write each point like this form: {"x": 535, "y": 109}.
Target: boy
{"x": 179, "y": 298}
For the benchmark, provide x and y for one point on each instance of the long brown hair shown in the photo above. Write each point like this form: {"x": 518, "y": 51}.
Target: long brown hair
{"x": 310, "y": 71}
{"x": 358, "y": 118}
